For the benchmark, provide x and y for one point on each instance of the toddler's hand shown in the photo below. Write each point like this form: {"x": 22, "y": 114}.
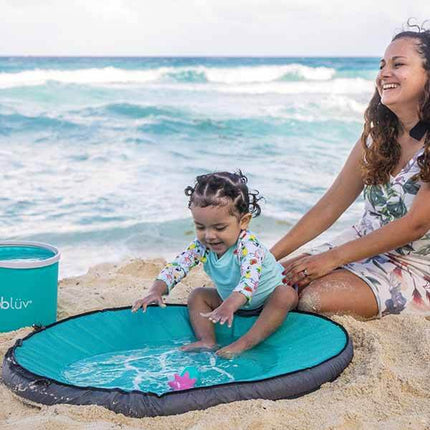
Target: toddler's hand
{"x": 154, "y": 296}
{"x": 149, "y": 299}
{"x": 222, "y": 314}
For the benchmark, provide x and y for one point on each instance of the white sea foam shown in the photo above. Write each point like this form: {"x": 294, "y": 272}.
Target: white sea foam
{"x": 257, "y": 74}
{"x": 112, "y": 75}
{"x": 335, "y": 86}
{"x": 107, "y": 75}
{"x": 329, "y": 107}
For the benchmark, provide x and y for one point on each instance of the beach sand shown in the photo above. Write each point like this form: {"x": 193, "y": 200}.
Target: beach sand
{"x": 387, "y": 385}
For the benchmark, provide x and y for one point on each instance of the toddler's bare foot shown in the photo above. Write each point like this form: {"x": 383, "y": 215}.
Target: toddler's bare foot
{"x": 232, "y": 350}
{"x": 198, "y": 346}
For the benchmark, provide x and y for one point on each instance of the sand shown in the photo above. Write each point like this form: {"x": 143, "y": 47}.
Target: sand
{"x": 387, "y": 385}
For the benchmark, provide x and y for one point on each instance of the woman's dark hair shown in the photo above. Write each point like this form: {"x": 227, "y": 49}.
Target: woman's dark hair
{"x": 222, "y": 188}
{"x": 382, "y": 125}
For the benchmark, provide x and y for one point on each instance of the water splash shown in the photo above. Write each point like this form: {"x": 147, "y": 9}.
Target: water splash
{"x": 149, "y": 369}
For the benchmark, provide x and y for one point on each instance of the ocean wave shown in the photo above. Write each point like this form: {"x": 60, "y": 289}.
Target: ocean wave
{"x": 217, "y": 128}
{"x": 328, "y": 107}
{"x": 279, "y": 124}
{"x": 195, "y": 74}
{"x": 261, "y": 74}
{"x": 13, "y": 123}
{"x": 335, "y": 86}
{"x": 158, "y": 121}
{"x": 135, "y": 111}
{"x": 126, "y": 110}
{"x": 106, "y": 75}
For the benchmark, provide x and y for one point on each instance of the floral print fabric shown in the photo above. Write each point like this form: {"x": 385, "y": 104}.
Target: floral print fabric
{"x": 248, "y": 252}
{"x": 400, "y": 279}
{"x": 250, "y": 255}
{"x": 174, "y": 272}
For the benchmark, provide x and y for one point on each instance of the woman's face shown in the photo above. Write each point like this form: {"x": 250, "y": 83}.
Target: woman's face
{"x": 401, "y": 78}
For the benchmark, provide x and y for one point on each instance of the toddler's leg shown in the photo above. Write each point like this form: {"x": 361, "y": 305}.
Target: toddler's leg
{"x": 276, "y": 308}
{"x": 202, "y": 300}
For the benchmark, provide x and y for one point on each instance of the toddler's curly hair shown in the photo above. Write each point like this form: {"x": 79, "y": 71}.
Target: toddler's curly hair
{"x": 222, "y": 188}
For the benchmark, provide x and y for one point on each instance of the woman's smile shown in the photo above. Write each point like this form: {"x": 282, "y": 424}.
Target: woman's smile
{"x": 389, "y": 87}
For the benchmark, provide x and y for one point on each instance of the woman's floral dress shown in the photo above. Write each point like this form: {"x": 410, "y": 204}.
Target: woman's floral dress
{"x": 400, "y": 279}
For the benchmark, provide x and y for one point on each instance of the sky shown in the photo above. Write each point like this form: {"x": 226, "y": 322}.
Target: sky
{"x": 204, "y": 27}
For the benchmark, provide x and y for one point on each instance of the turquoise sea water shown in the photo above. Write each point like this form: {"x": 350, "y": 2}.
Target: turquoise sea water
{"x": 95, "y": 152}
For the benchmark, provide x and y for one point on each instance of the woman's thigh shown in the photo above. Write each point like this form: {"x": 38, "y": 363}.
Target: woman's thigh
{"x": 339, "y": 292}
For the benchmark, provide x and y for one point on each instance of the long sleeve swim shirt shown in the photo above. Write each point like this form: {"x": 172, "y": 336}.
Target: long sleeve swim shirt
{"x": 247, "y": 267}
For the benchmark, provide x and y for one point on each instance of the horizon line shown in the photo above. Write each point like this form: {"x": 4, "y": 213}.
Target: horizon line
{"x": 180, "y": 56}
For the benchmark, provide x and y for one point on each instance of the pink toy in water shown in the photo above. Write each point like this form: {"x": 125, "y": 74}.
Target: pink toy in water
{"x": 182, "y": 382}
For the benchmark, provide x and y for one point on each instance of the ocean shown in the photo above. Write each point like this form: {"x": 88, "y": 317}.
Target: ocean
{"x": 95, "y": 152}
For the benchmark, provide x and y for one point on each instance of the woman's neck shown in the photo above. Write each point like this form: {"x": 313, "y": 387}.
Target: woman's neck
{"x": 405, "y": 137}
{"x": 408, "y": 125}
{"x": 407, "y": 120}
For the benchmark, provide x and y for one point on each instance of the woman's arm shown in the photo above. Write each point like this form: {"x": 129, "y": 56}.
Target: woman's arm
{"x": 343, "y": 192}
{"x": 412, "y": 226}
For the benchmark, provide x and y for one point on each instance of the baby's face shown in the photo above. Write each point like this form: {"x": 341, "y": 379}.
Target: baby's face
{"x": 217, "y": 228}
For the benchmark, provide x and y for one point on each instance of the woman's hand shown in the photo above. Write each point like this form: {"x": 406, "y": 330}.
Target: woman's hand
{"x": 225, "y": 312}
{"x": 306, "y": 268}
{"x": 155, "y": 296}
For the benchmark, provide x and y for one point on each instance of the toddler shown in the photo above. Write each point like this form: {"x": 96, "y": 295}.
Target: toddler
{"x": 247, "y": 277}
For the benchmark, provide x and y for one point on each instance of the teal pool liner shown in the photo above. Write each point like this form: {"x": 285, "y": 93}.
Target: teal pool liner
{"x": 305, "y": 352}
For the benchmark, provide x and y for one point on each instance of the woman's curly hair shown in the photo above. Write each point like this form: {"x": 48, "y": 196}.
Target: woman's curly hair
{"x": 223, "y": 188}
{"x": 381, "y": 125}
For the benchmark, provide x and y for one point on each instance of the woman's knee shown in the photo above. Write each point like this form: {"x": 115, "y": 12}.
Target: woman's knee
{"x": 339, "y": 292}
{"x": 310, "y": 299}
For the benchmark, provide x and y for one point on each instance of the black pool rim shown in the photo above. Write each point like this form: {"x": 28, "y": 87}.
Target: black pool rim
{"x": 138, "y": 404}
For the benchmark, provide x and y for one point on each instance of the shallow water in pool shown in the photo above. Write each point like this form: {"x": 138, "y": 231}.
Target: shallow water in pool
{"x": 149, "y": 369}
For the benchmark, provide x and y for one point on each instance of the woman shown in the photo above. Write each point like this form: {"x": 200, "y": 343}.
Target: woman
{"x": 381, "y": 265}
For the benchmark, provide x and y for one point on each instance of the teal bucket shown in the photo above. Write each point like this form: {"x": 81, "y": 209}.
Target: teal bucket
{"x": 28, "y": 284}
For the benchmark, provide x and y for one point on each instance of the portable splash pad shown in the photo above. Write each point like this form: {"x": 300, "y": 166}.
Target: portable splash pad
{"x": 124, "y": 361}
